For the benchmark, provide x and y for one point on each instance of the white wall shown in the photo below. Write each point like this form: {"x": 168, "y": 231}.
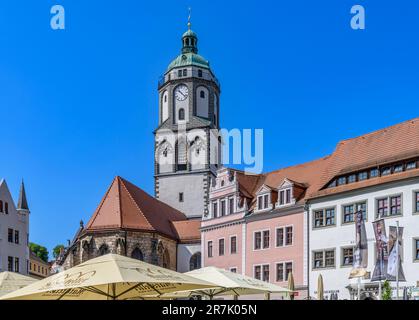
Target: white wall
{"x": 184, "y": 254}
{"x": 202, "y": 104}
{"x": 15, "y": 221}
{"x": 165, "y": 106}
{"x": 344, "y": 235}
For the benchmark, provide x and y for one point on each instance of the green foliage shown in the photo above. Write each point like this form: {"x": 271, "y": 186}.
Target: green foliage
{"x": 56, "y": 250}
{"x": 39, "y": 250}
{"x": 386, "y": 290}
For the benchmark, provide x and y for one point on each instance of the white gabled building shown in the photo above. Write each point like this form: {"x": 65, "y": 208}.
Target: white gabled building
{"x": 14, "y": 231}
{"x": 379, "y": 173}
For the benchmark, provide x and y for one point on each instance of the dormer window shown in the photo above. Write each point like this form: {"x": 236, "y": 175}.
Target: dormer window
{"x": 341, "y": 181}
{"x": 263, "y": 202}
{"x": 285, "y": 197}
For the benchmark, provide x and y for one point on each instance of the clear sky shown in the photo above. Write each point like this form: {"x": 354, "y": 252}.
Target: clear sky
{"x": 78, "y": 106}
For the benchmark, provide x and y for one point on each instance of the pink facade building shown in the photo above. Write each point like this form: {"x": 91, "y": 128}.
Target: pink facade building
{"x": 257, "y": 224}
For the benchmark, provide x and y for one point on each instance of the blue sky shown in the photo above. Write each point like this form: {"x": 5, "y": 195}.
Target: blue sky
{"x": 78, "y": 106}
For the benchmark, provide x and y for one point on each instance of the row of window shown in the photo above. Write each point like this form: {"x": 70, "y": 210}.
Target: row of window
{"x": 326, "y": 258}
{"x": 385, "y": 207}
{"x": 373, "y": 173}
{"x": 184, "y": 73}
{"x": 282, "y": 269}
{"x": 13, "y": 236}
{"x": 261, "y": 240}
{"x": 37, "y": 268}
{"x": 284, "y": 237}
{"x": 4, "y": 207}
{"x": 221, "y": 247}
{"x": 263, "y": 201}
{"x": 222, "y": 207}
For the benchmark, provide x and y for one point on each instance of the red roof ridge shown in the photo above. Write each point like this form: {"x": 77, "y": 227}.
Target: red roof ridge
{"x": 135, "y": 203}
{"x": 93, "y": 218}
{"x": 390, "y": 127}
{"x": 304, "y": 164}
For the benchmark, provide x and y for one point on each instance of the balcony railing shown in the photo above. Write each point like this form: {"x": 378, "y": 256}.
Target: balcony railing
{"x": 174, "y": 75}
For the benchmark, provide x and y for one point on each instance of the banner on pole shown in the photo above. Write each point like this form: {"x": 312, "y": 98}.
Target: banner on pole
{"x": 394, "y": 258}
{"x": 360, "y": 256}
{"x": 380, "y": 270}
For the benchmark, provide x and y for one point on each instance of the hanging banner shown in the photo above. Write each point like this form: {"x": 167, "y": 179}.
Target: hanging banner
{"x": 394, "y": 258}
{"x": 360, "y": 261}
{"x": 380, "y": 270}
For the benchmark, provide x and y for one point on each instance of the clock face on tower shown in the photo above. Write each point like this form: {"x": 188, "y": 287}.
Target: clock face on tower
{"x": 181, "y": 92}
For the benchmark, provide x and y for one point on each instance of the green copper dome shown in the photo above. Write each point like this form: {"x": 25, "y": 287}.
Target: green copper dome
{"x": 189, "y": 55}
{"x": 189, "y": 59}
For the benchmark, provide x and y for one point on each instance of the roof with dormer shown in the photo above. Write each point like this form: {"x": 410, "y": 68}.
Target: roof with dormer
{"x": 390, "y": 145}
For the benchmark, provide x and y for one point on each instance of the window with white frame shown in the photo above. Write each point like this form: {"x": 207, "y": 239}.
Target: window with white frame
{"x": 265, "y": 272}
{"x": 324, "y": 217}
{"x": 215, "y": 209}
{"x": 280, "y": 237}
{"x": 347, "y": 256}
{"x": 261, "y": 240}
{"x": 231, "y": 205}
{"x": 222, "y": 208}
{"x": 263, "y": 202}
{"x": 221, "y": 247}
{"x": 257, "y": 272}
{"x": 233, "y": 244}
{"x": 348, "y": 211}
{"x": 284, "y": 197}
{"x": 416, "y": 249}
{"x": 389, "y": 206}
{"x": 416, "y": 201}
{"x": 257, "y": 241}
{"x": 283, "y": 269}
{"x": 323, "y": 259}
{"x": 209, "y": 249}
{"x": 284, "y": 236}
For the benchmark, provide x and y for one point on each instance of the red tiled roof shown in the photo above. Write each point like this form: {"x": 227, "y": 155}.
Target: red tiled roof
{"x": 398, "y": 142}
{"x": 125, "y": 206}
{"x": 188, "y": 230}
{"x": 305, "y": 175}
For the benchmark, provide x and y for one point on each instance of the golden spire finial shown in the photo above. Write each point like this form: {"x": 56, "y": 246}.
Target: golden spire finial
{"x": 189, "y": 18}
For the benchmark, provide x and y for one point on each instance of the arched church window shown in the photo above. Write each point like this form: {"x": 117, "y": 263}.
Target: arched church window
{"x": 181, "y": 114}
{"x": 165, "y": 98}
{"x": 202, "y": 94}
{"x": 195, "y": 261}
{"x": 137, "y": 254}
{"x": 103, "y": 250}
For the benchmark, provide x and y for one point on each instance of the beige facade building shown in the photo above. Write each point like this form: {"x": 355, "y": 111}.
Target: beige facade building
{"x": 38, "y": 268}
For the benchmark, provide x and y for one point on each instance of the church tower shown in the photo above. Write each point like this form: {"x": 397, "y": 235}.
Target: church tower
{"x": 187, "y": 146}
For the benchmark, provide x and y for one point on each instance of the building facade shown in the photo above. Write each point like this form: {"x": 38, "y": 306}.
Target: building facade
{"x": 187, "y": 146}
{"x": 14, "y": 231}
{"x": 38, "y": 268}
{"x": 257, "y": 223}
{"x": 377, "y": 173}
